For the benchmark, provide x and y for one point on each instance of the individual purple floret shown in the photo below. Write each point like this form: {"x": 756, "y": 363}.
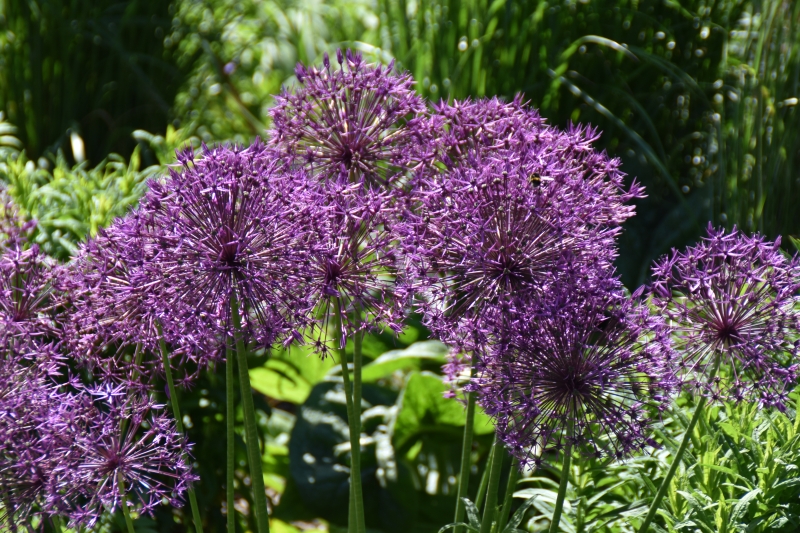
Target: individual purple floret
{"x": 353, "y": 265}
{"x": 131, "y": 444}
{"x": 487, "y": 238}
{"x": 232, "y": 222}
{"x": 583, "y": 370}
{"x": 360, "y": 123}
{"x": 731, "y": 301}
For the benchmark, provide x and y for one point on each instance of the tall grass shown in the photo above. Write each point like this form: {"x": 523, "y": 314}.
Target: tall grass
{"x": 101, "y": 69}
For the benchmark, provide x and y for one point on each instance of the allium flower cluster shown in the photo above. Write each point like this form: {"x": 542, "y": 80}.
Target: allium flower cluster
{"x": 353, "y": 263}
{"x": 108, "y": 297}
{"x": 26, "y": 306}
{"x": 487, "y": 237}
{"x": 64, "y": 447}
{"x": 580, "y": 370}
{"x": 130, "y": 447}
{"x": 233, "y": 222}
{"x": 731, "y": 300}
{"x": 359, "y": 123}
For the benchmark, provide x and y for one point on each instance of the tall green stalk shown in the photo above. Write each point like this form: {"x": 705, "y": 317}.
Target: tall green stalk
{"x": 357, "y": 505}
{"x": 251, "y": 434}
{"x": 513, "y": 477}
{"x": 230, "y": 455}
{"x": 562, "y": 487}
{"x": 495, "y": 467}
{"x": 124, "y": 503}
{"x": 176, "y": 412}
{"x": 466, "y": 452}
{"x": 662, "y": 490}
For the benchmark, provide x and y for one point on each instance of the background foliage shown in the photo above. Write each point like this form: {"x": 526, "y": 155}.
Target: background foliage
{"x": 698, "y": 97}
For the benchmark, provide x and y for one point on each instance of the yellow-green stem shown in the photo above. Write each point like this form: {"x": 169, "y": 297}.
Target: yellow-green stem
{"x": 176, "y": 412}
{"x": 466, "y": 453}
{"x": 230, "y": 413}
{"x": 513, "y": 477}
{"x": 251, "y": 433}
{"x": 124, "y": 503}
{"x": 357, "y": 506}
{"x": 562, "y": 487}
{"x": 495, "y": 467}
{"x": 662, "y": 490}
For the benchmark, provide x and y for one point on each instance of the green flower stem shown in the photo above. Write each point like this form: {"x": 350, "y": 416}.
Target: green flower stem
{"x": 495, "y": 467}
{"x": 562, "y": 487}
{"x": 124, "y": 503}
{"x": 484, "y": 480}
{"x": 662, "y": 490}
{"x": 513, "y": 477}
{"x": 466, "y": 453}
{"x": 356, "y": 521}
{"x": 230, "y": 454}
{"x": 56, "y": 524}
{"x": 251, "y": 434}
{"x": 356, "y": 454}
{"x": 176, "y": 412}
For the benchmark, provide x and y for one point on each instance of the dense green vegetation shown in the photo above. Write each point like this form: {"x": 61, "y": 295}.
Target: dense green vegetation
{"x": 698, "y": 97}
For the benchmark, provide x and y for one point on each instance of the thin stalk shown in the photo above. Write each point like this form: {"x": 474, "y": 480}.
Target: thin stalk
{"x": 230, "y": 457}
{"x": 124, "y": 503}
{"x": 56, "y": 524}
{"x": 562, "y": 487}
{"x": 251, "y": 434}
{"x": 495, "y": 467}
{"x": 513, "y": 477}
{"x": 357, "y": 507}
{"x": 484, "y": 480}
{"x": 466, "y": 452}
{"x": 662, "y": 490}
{"x": 176, "y": 412}
{"x": 356, "y": 454}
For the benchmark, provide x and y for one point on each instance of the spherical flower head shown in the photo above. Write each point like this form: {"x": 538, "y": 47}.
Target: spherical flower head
{"x": 585, "y": 371}
{"x": 231, "y": 223}
{"x": 145, "y": 454}
{"x": 109, "y": 313}
{"x": 486, "y": 239}
{"x": 26, "y": 307}
{"x": 465, "y": 126}
{"x": 590, "y": 185}
{"x": 359, "y": 123}
{"x": 353, "y": 266}
{"x": 731, "y": 301}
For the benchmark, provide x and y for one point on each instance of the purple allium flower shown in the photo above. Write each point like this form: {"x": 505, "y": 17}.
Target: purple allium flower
{"x": 234, "y": 221}
{"x": 482, "y": 124}
{"x": 360, "y": 123}
{"x": 26, "y": 307}
{"x": 38, "y": 423}
{"x": 353, "y": 263}
{"x": 489, "y": 237}
{"x": 149, "y": 455}
{"x": 592, "y": 364}
{"x": 731, "y": 301}
{"x": 108, "y": 292}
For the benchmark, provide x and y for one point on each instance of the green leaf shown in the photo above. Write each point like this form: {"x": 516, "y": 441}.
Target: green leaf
{"x": 290, "y": 374}
{"x": 402, "y": 360}
{"x": 424, "y": 409}
{"x": 740, "y": 509}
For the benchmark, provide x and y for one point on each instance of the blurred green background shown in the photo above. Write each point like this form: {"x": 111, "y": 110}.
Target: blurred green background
{"x": 697, "y": 97}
